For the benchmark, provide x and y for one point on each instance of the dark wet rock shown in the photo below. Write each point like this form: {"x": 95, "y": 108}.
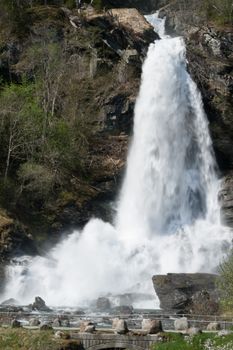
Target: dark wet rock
{"x": 151, "y": 326}
{"x": 10, "y": 302}
{"x": 34, "y": 322}
{"x": 204, "y": 302}
{"x": 226, "y": 199}
{"x": 46, "y": 326}
{"x": 103, "y": 304}
{"x": 15, "y": 324}
{"x": 14, "y": 239}
{"x": 119, "y": 326}
{"x": 79, "y": 312}
{"x": 66, "y": 323}
{"x": 57, "y": 322}
{"x": 39, "y": 305}
{"x": 11, "y": 308}
{"x": 189, "y": 293}
{"x": 123, "y": 310}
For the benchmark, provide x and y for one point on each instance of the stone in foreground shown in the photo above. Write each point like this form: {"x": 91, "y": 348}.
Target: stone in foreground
{"x": 15, "y": 324}
{"x": 87, "y": 327}
{"x": 213, "y": 326}
{"x": 119, "y": 326}
{"x": 181, "y": 324}
{"x": 151, "y": 326}
{"x": 194, "y": 293}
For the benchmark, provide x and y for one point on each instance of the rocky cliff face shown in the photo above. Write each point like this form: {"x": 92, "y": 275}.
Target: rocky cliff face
{"x": 108, "y": 49}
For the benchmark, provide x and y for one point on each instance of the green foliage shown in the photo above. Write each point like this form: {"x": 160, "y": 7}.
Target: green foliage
{"x": 198, "y": 342}
{"x": 98, "y": 4}
{"x": 220, "y": 11}
{"x": 225, "y": 282}
{"x": 36, "y": 180}
{"x": 15, "y": 16}
{"x": 11, "y": 339}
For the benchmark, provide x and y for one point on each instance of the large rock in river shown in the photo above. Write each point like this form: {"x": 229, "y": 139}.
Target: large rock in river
{"x": 189, "y": 293}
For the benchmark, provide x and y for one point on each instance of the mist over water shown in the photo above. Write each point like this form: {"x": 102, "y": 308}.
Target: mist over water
{"x": 168, "y": 217}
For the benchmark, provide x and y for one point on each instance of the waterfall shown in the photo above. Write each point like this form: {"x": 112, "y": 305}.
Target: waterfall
{"x": 168, "y": 217}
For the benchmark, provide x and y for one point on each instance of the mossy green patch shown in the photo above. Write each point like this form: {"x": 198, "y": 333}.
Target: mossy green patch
{"x": 205, "y": 341}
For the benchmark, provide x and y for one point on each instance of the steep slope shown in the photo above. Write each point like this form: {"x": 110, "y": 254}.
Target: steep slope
{"x": 79, "y": 74}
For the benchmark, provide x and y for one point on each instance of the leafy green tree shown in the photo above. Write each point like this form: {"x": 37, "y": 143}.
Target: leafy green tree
{"x": 225, "y": 282}
{"x": 21, "y": 123}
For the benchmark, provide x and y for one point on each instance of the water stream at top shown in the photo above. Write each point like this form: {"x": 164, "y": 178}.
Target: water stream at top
{"x": 168, "y": 217}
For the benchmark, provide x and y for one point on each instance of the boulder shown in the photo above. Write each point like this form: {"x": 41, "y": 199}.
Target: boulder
{"x": 184, "y": 292}
{"x": 46, "y": 327}
{"x": 61, "y": 335}
{"x": 15, "y": 324}
{"x": 204, "y": 303}
{"x": 79, "y": 312}
{"x": 87, "y": 327}
{"x": 152, "y": 326}
{"x": 194, "y": 331}
{"x": 123, "y": 310}
{"x": 66, "y": 323}
{"x": 213, "y": 326}
{"x": 181, "y": 324}
{"x": 34, "y": 322}
{"x": 10, "y": 302}
{"x": 57, "y": 322}
{"x": 39, "y": 305}
{"x": 119, "y": 326}
{"x": 103, "y": 304}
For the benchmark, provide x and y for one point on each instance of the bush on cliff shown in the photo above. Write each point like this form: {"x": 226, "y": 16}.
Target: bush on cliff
{"x": 219, "y": 10}
{"x": 225, "y": 282}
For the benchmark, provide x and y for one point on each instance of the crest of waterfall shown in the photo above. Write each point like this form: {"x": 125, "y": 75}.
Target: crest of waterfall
{"x": 168, "y": 217}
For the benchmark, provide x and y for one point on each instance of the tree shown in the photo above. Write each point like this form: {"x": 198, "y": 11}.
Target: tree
{"x": 225, "y": 282}
{"x": 21, "y": 120}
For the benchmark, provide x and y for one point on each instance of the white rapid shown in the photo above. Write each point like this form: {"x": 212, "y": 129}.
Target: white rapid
{"x": 168, "y": 217}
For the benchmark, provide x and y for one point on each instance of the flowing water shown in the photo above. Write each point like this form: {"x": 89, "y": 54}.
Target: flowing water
{"x": 168, "y": 217}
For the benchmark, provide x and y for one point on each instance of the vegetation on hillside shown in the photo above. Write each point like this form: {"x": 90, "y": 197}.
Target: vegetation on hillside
{"x": 219, "y": 10}
{"x": 225, "y": 282}
{"x": 50, "y": 82}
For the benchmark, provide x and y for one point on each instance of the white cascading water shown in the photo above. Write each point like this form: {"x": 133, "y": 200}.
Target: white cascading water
{"x": 168, "y": 217}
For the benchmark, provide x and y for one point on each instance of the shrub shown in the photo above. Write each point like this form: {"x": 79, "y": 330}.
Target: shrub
{"x": 225, "y": 282}
{"x": 219, "y": 10}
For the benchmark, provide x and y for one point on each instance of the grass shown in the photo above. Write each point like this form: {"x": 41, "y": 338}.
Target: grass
{"x": 23, "y": 339}
{"x": 199, "y": 342}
